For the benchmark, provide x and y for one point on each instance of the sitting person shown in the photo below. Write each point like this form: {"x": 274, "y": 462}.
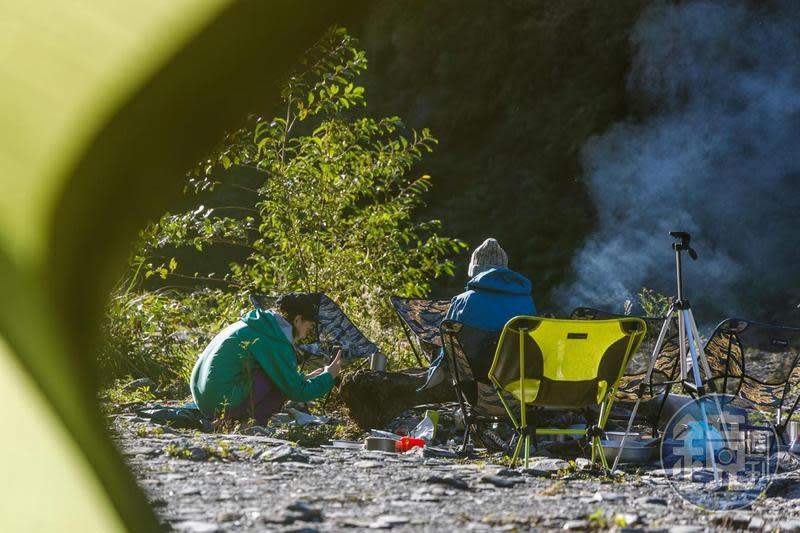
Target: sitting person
{"x": 249, "y": 369}
{"x": 493, "y": 296}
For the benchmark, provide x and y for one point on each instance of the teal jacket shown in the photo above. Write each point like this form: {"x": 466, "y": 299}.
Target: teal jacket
{"x": 222, "y": 375}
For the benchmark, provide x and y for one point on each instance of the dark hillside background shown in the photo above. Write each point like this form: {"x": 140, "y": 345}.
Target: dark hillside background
{"x": 512, "y": 89}
{"x": 579, "y": 133}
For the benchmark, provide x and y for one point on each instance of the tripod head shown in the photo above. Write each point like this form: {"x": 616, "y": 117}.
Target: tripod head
{"x": 683, "y": 245}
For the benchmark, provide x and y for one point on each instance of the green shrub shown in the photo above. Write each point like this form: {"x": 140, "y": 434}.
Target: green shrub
{"x": 333, "y": 213}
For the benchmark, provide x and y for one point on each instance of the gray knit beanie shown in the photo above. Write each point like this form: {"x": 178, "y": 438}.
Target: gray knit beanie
{"x": 488, "y": 255}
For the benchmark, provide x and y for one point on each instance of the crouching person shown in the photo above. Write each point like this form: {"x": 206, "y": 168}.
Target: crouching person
{"x": 249, "y": 369}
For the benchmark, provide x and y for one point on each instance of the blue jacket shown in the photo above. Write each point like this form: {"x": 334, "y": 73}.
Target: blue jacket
{"x": 492, "y": 298}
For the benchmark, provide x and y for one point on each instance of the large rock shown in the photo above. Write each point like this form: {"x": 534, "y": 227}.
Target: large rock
{"x": 375, "y": 398}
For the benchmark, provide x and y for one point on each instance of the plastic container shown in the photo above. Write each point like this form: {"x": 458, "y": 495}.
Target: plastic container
{"x": 407, "y": 443}
{"x": 426, "y": 429}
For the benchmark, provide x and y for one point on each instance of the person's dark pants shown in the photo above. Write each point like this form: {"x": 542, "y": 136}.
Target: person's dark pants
{"x": 265, "y": 400}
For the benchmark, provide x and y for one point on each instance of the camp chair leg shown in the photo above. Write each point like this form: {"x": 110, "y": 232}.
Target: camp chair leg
{"x": 466, "y": 438}
{"x": 597, "y": 449}
{"x": 527, "y": 449}
{"x": 516, "y": 451}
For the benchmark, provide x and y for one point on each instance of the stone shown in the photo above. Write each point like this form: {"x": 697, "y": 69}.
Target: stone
{"x": 502, "y": 482}
{"x": 142, "y": 450}
{"x": 739, "y": 520}
{"x": 544, "y": 466}
{"x": 375, "y": 398}
{"x": 196, "y": 453}
{"x": 432, "y": 451}
{"x": 283, "y": 453}
{"x": 258, "y": 430}
{"x": 139, "y": 384}
{"x": 394, "y": 519}
{"x": 158, "y": 503}
{"x": 191, "y": 526}
{"x": 420, "y": 496}
{"x": 306, "y": 512}
{"x": 650, "y": 500}
{"x": 779, "y": 486}
{"x": 608, "y": 497}
{"x": 388, "y": 522}
{"x": 450, "y": 481}
{"x": 228, "y": 516}
{"x": 789, "y": 526}
{"x": 576, "y": 525}
{"x": 685, "y": 529}
{"x": 756, "y": 524}
{"x": 364, "y": 465}
{"x": 629, "y": 519}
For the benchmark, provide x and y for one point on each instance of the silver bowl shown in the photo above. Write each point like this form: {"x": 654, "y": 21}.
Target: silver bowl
{"x": 635, "y": 451}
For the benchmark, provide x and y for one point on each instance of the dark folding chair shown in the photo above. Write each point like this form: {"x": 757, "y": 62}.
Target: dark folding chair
{"x": 420, "y": 320}
{"x": 468, "y": 352}
{"x": 757, "y": 362}
{"x": 333, "y": 328}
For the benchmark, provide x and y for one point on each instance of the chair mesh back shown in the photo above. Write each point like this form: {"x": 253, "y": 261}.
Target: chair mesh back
{"x": 332, "y": 326}
{"x": 422, "y": 319}
{"x": 667, "y": 367}
{"x": 758, "y": 362}
{"x": 468, "y": 353}
{"x": 567, "y": 363}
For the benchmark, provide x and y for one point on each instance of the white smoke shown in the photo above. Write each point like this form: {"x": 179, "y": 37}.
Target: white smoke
{"x": 714, "y": 150}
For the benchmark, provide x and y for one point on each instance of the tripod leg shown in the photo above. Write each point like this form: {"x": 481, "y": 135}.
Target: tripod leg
{"x": 698, "y": 381}
{"x": 698, "y": 378}
{"x": 682, "y": 346}
{"x": 701, "y": 353}
{"x": 648, "y": 375}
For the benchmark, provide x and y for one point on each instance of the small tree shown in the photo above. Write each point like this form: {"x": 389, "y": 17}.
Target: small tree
{"x": 334, "y": 212}
{"x": 654, "y": 303}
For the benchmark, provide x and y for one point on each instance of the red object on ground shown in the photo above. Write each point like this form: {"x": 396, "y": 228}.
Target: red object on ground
{"x": 406, "y": 443}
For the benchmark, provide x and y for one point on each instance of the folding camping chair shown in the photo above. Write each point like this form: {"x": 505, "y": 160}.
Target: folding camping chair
{"x": 757, "y": 362}
{"x": 468, "y": 352}
{"x": 666, "y": 371}
{"x": 420, "y": 320}
{"x": 334, "y": 328}
{"x": 573, "y": 364}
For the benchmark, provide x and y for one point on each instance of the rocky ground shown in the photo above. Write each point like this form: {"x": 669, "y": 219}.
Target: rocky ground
{"x": 237, "y": 482}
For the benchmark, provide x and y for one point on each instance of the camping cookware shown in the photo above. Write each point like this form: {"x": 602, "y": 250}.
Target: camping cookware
{"x": 380, "y": 444}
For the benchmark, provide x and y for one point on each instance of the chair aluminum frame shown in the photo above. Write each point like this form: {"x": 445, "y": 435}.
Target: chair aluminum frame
{"x": 521, "y": 424}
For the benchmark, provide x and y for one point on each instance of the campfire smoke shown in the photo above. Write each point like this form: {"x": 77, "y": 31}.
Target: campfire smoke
{"x": 714, "y": 149}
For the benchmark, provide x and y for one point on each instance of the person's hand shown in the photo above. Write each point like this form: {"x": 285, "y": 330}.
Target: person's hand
{"x": 315, "y": 373}
{"x": 335, "y": 365}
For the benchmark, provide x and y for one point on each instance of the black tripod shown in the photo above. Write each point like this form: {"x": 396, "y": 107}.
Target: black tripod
{"x": 687, "y": 334}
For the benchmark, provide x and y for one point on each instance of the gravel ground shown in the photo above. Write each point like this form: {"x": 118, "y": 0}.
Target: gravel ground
{"x": 231, "y": 482}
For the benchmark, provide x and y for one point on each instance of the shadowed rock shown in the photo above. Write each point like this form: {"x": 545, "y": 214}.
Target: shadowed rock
{"x": 375, "y": 398}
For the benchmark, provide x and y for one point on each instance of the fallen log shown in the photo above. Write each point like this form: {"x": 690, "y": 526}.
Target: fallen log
{"x": 375, "y": 398}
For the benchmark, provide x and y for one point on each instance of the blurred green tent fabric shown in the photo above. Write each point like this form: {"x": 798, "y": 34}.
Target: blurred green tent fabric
{"x": 103, "y": 106}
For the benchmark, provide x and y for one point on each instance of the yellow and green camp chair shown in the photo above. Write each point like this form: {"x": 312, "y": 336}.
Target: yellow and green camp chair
{"x": 572, "y": 364}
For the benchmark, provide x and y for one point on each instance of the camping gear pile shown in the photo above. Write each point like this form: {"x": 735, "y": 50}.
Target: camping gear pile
{"x": 564, "y": 385}
{"x": 596, "y": 358}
